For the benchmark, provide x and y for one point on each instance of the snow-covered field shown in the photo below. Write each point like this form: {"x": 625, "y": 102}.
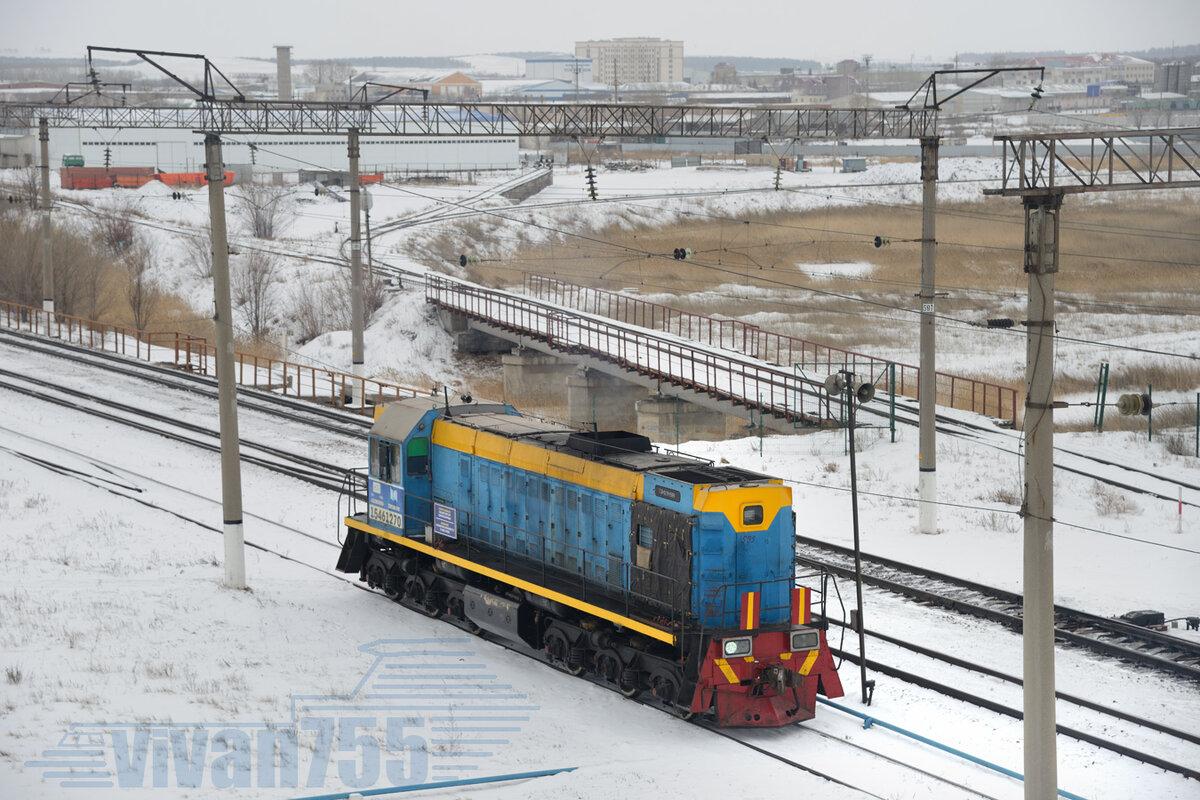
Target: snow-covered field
{"x": 113, "y": 625}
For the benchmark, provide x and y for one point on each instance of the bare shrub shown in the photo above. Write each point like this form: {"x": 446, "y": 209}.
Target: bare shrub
{"x": 28, "y": 184}
{"x": 830, "y": 467}
{"x": 374, "y": 293}
{"x": 116, "y": 231}
{"x": 197, "y": 252}
{"x": 263, "y": 209}
{"x": 142, "y": 292}
{"x": 1112, "y": 502}
{"x": 309, "y": 311}
{"x": 254, "y": 290}
{"x": 1177, "y": 445}
{"x": 1008, "y": 497}
{"x": 14, "y": 675}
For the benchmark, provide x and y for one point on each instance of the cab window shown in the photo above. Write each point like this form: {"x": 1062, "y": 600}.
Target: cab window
{"x": 417, "y": 455}
{"x": 752, "y": 515}
{"x": 386, "y": 461}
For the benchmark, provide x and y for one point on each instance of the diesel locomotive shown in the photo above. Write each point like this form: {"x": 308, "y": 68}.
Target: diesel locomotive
{"x": 662, "y": 575}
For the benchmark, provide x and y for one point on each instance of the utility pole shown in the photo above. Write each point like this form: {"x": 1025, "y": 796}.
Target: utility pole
{"x": 927, "y": 382}
{"x": 231, "y": 466}
{"x": 1041, "y": 263}
{"x": 46, "y": 203}
{"x": 356, "y": 276}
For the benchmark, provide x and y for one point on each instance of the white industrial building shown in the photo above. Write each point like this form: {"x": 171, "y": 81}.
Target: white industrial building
{"x": 567, "y": 69}
{"x": 183, "y": 151}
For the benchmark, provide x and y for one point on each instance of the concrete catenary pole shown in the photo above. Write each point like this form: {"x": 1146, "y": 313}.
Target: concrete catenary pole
{"x": 45, "y": 203}
{"x": 356, "y": 271}
{"x": 231, "y": 467}
{"x": 927, "y": 384}
{"x": 1041, "y": 263}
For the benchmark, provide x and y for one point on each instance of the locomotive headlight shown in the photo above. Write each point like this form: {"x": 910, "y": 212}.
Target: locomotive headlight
{"x": 740, "y": 646}
{"x": 805, "y": 639}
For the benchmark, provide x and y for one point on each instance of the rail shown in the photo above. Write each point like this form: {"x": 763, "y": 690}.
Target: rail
{"x": 742, "y": 381}
{"x": 195, "y": 354}
{"x": 955, "y": 391}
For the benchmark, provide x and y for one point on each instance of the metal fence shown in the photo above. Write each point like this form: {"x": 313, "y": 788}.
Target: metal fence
{"x": 195, "y": 354}
{"x": 765, "y": 388}
{"x": 967, "y": 394}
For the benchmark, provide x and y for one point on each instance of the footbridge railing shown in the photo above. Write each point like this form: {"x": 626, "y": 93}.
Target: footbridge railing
{"x": 955, "y": 391}
{"x": 725, "y": 376}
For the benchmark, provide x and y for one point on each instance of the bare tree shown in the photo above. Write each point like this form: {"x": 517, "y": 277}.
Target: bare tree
{"x": 309, "y": 310}
{"x": 141, "y": 290}
{"x": 115, "y": 230}
{"x": 374, "y": 293}
{"x": 327, "y": 72}
{"x": 254, "y": 290}
{"x": 27, "y": 180}
{"x": 263, "y": 209}
{"x": 197, "y": 252}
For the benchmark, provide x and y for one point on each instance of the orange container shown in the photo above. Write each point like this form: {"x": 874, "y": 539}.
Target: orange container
{"x": 370, "y": 178}
{"x": 133, "y": 181}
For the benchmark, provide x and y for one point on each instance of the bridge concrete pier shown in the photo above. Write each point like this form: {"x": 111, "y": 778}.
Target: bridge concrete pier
{"x": 534, "y": 378}
{"x": 603, "y": 401}
{"x": 469, "y": 340}
{"x": 669, "y": 420}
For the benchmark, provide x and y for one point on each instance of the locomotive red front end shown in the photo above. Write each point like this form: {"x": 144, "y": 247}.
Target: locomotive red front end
{"x": 766, "y": 678}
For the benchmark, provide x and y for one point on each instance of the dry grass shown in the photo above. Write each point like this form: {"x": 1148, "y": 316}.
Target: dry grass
{"x": 765, "y": 251}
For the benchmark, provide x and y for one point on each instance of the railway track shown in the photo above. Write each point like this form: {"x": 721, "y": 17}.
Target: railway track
{"x": 275, "y": 459}
{"x": 108, "y": 483}
{"x": 300, "y": 411}
{"x": 1103, "y": 635}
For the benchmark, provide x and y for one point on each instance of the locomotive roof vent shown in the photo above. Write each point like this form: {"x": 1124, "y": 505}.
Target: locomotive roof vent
{"x": 608, "y": 443}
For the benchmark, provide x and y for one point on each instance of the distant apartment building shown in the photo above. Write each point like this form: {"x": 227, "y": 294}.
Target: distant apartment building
{"x": 560, "y": 69}
{"x": 724, "y": 73}
{"x": 633, "y": 60}
{"x": 1089, "y": 69}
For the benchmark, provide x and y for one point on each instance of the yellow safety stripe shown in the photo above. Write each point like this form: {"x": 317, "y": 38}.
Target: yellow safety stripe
{"x": 727, "y": 670}
{"x": 550, "y": 594}
{"x": 748, "y": 618}
{"x": 809, "y": 660}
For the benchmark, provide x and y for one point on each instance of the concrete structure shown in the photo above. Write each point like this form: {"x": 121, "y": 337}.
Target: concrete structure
{"x": 602, "y": 402}
{"x": 1174, "y": 77}
{"x": 533, "y": 378}
{"x": 571, "y": 70}
{"x": 283, "y": 70}
{"x": 636, "y": 59}
{"x": 670, "y": 420}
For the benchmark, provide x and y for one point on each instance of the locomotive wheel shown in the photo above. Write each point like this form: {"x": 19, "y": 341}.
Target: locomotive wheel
{"x": 608, "y": 667}
{"x": 420, "y": 598}
{"x": 629, "y": 684}
{"x": 559, "y": 650}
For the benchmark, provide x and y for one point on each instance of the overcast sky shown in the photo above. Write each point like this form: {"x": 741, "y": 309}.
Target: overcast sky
{"x": 827, "y": 31}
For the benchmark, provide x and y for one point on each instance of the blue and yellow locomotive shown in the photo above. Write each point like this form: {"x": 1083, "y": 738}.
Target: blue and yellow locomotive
{"x": 658, "y": 573}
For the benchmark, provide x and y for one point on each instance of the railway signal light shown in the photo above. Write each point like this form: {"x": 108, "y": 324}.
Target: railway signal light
{"x": 880, "y": 241}
{"x": 682, "y": 253}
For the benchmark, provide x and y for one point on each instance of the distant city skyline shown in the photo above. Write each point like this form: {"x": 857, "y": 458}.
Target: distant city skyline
{"x": 933, "y": 30}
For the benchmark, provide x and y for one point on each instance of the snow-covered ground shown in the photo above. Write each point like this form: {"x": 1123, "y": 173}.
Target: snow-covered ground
{"x": 114, "y": 624}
